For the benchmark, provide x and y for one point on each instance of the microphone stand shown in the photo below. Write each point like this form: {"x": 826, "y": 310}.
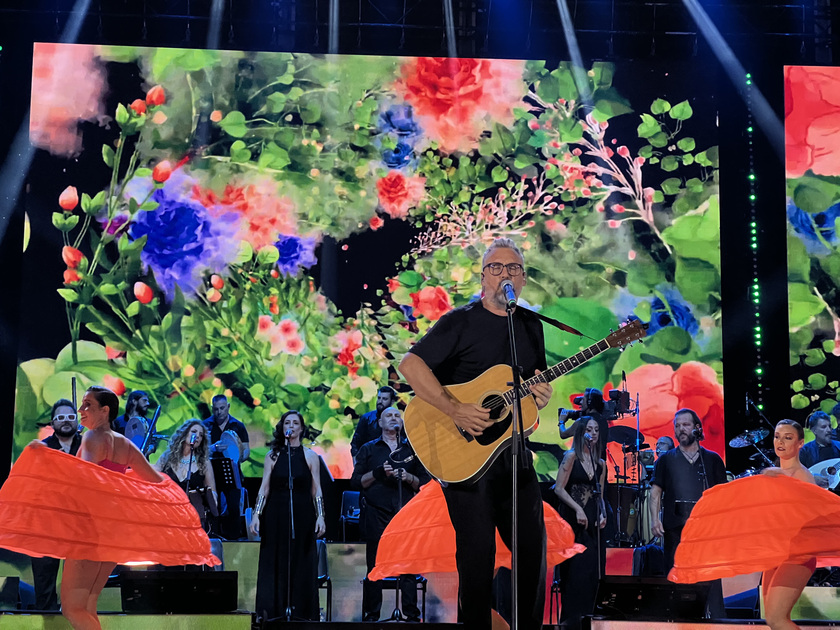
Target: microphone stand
{"x": 700, "y": 449}
{"x": 397, "y": 614}
{"x": 291, "y": 531}
{"x": 597, "y": 493}
{"x": 619, "y": 484}
{"x": 517, "y": 459}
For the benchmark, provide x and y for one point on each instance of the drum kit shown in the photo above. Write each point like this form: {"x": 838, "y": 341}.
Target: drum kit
{"x": 628, "y": 495}
{"x": 752, "y": 438}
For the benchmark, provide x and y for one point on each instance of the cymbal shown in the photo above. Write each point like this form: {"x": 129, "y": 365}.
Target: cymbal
{"x": 740, "y": 441}
{"x": 756, "y": 435}
{"x": 624, "y": 435}
{"x": 632, "y": 447}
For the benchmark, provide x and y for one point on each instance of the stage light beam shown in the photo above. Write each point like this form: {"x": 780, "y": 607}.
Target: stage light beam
{"x": 764, "y": 116}
{"x": 578, "y": 71}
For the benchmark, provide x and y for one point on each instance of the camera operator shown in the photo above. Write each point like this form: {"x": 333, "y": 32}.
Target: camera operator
{"x": 592, "y": 405}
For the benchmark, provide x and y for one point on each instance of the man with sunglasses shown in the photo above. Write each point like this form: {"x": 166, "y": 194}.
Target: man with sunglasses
{"x": 461, "y": 346}
{"x": 65, "y": 437}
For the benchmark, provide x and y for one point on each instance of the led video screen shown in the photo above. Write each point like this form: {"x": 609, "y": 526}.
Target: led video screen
{"x": 812, "y": 126}
{"x": 207, "y": 222}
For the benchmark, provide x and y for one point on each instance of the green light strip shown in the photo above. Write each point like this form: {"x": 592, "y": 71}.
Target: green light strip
{"x": 755, "y": 288}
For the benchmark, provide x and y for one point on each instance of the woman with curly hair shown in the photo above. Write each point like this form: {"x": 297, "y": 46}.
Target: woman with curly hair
{"x": 187, "y": 463}
{"x": 283, "y": 560}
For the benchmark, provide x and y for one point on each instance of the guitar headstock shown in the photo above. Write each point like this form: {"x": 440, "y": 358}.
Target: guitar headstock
{"x": 632, "y": 331}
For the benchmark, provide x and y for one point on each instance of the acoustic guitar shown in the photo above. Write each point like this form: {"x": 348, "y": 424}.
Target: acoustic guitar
{"x": 451, "y": 454}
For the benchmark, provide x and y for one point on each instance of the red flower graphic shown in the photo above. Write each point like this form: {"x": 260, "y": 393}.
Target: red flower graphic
{"x": 812, "y": 120}
{"x": 162, "y": 171}
{"x": 431, "y": 302}
{"x": 376, "y": 222}
{"x": 71, "y": 256}
{"x": 398, "y": 193}
{"x": 139, "y": 106}
{"x": 143, "y": 292}
{"x": 70, "y": 276}
{"x": 155, "y": 96}
{"x": 663, "y": 391}
{"x": 455, "y": 99}
{"x": 114, "y": 383}
{"x": 69, "y": 198}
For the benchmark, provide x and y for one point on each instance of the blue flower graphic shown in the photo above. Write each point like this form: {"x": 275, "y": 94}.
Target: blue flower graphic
{"x": 671, "y": 312}
{"x": 183, "y": 241}
{"x": 399, "y": 119}
{"x": 399, "y": 156}
{"x": 296, "y": 252}
{"x": 807, "y": 225}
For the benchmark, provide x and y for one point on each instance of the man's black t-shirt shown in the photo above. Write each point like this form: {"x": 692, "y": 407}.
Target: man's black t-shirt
{"x": 469, "y": 340}
{"x": 384, "y": 494}
{"x": 682, "y": 483}
{"x": 233, "y": 424}
{"x": 53, "y": 442}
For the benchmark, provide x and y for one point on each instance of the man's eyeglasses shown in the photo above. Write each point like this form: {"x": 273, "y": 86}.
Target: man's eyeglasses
{"x": 513, "y": 269}
{"x": 62, "y": 417}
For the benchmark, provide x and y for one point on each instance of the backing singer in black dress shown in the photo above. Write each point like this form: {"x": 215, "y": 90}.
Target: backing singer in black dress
{"x": 576, "y": 487}
{"x": 271, "y": 521}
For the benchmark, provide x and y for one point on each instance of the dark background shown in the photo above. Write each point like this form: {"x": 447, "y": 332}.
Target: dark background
{"x": 764, "y": 37}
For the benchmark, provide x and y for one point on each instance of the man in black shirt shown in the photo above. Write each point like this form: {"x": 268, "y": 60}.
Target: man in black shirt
{"x": 461, "y": 346}
{"x": 230, "y": 521}
{"x": 680, "y": 477}
{"x": 136, "y": 406}
{"x": 822, "y": 447}
{"x": 382, "y": 474}
{"x": 65, "y": 437}
{"x": 368, "y": 428}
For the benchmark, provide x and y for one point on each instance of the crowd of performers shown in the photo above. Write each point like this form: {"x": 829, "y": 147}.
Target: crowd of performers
{"x": 689, "y": 496}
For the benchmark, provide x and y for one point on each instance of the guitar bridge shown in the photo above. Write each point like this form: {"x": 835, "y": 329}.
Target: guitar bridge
{"x": 465, "y": 435}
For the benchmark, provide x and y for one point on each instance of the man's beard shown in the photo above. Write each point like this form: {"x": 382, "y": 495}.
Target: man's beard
{"x": 64, "y": 430}
{"x": 687, "y": 440}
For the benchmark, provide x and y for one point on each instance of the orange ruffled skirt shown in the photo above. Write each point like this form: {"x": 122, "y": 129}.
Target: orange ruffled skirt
{"x": 421, "y": 539}
{"x": 57, "y": 505}
{"x": 756, "y": 524}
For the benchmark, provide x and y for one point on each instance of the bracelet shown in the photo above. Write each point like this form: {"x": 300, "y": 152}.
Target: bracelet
{"x": 258, "y": 508}
{"x": 319, "y": 506}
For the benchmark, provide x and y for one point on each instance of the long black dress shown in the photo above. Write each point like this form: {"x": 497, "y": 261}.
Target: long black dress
{"x": 274, "y": 543}
{"x": 579, "y": 574}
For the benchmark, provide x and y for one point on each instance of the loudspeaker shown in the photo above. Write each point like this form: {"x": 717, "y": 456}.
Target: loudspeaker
{"x": 186, "y": 592}
{"x": 652, "y": 599}
{"x": 9, "y": 593}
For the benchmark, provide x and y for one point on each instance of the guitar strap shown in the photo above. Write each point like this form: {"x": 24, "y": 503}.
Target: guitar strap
{"x": 558, "y": 324}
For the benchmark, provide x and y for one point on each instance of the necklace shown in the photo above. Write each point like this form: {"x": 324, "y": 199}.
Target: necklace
{"x": 691, "y": 458}
{"x": 185, "y": 461}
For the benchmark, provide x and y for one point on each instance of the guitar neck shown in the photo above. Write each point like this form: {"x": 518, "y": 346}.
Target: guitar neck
{"x": 560, "y": 369}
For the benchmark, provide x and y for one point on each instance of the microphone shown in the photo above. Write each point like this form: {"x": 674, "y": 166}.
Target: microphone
{"x": 192, "y": 439}
{"x": 698, "y": 433}
{"x": 587, "y": 437}
{"x": 510, "y": 294}
{"x": 288, "y": 433}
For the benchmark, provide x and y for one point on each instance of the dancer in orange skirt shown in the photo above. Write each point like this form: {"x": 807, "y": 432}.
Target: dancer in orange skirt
{"x": 83, "y": 580}
{"x": 107, "y": 517}
{"x": 772, "y": 523}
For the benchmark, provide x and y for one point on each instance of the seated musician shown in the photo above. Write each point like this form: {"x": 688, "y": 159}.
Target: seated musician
{"x": 216, "y": 425}
{"x": 591, "y": 406}
{"x": 136, "y": 406}
{"x": 822, "y": 447}
{"x": 187, "y": 462}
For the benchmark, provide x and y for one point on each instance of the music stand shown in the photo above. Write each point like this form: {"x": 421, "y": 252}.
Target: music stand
{"x": 224, "y": 473}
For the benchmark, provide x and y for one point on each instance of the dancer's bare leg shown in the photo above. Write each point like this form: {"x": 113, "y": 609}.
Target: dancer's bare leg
{"x": 78, "y": 583}
{"x": 105, "y": 570}
{"x": 782, "y": 592}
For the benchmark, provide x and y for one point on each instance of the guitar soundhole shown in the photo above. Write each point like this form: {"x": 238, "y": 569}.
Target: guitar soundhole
{"x": 499, "y": 415}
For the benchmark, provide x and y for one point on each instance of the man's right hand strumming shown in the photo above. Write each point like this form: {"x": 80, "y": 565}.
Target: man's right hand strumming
{"x": 472, "y": 418}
